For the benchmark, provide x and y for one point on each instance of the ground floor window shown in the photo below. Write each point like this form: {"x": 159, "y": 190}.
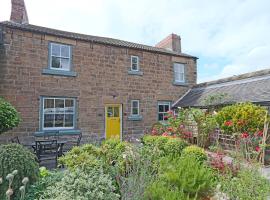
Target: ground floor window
{"x": 135, "y": 107}
{"x": 163, "y": 108}
{"x": 58, "y": 113}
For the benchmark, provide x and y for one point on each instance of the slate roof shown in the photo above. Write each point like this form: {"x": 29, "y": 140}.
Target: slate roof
{"x": 252, "y": 87}
{"x": 90, "y": 38}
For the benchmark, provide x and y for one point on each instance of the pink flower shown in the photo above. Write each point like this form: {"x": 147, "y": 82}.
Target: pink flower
{"x": 165, "y": 134}
{"x": 258, "y": 149}
{"x": 165, "y": 117}
{"x": 245, "y": 135}
{"x": 182, "y": 126}
{"x": 170, "y": 112}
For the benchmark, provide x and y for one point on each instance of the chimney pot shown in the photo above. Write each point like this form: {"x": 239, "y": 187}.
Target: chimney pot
{"x": 171, "y": 42}
{"x": 18, "y": 12}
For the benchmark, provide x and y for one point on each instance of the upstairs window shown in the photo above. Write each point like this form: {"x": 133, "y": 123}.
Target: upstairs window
{"x": 163, "y": 108}
{"x": 135, "y": 63}
{"x": 60, "y": 56}
{"x": 179, "y": 72}
{"x": 135, "y": 107}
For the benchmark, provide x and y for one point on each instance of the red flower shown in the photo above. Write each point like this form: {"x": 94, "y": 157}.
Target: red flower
{"x": 170, "y": 112}
{"x": 245, "y": 135}
{"x": 165, "y": 117}
{"x": 258, "y": 149}
{"x": 165, "y": 134}
{"x": 170, "y": 129}
{"x": 228, "y": 123}
{"x": 260, "y": 133}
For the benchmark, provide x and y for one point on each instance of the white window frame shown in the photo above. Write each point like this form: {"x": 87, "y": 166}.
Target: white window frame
{"x": 163, "y": 103}
{"x": 179, "y": 72}
{"x": 138, "y": 102}
{"x": 55, "y": 112}
{"x": 69, "y": 58}
{"x": 131, "y": 62}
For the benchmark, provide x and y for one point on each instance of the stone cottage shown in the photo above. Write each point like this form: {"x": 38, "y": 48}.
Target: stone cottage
{"x": 69, "y": 82}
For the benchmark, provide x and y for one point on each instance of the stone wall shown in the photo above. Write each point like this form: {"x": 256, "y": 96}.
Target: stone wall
{"x": 102, "y": 78}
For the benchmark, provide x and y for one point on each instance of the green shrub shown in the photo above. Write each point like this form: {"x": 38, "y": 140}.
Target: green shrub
{"x": 174, "y": 146}
{"x": 16, "y": 157}
{"x": 198, "y": 152}
{"x": 38, "y": 189}
{"x": 83, "y": 157}
{"x": 247, "y": 185}
{"x": 159, "y": 190}
{"x": 183, "y": 176}
{"x": 9, "y": 117}
{"x": 155, "y": 141}
{"x": 241, "y": 117}
{"x": 78, "y": 185}
{"x": 164, "y": 145}
{"x": 117, "y": 153}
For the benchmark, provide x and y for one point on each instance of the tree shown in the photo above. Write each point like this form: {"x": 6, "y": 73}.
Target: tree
{"x": 9, "y": 117}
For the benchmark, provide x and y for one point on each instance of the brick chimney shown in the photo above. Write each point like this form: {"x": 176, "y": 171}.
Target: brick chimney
{"x": 171, "y": 42}
{"x": 18, "y": 12}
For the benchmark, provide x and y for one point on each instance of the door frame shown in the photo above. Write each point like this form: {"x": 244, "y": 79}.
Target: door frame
{"x": 120, "y": 115}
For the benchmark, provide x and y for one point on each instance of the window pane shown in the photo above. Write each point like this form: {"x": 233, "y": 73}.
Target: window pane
{"x": 48, "y": 105}
{"x": 59, "y": 105}
{"x": 69, "y": 106}
{"x": 59, "y": 120}
{"x": 55, "y": 62}
{"x": 65, "y": 64}
{"x": 135, "y": 104}
{"x": 134, "y": 67}
{"x": 160, "y": 108}
{"x": 48, "y": 121}
{"x": 109, "y": 112}
{"x": 166, "y": 108}
{"x": 55, "y": 49}
{"x": 160, "y": 116}
{"x": 135, "y": 111}
{"x": 116, "y": 112}
{"x": 65, "y": 51}
{"x": 69, "y": 120}
{"x": 134, "y": 60}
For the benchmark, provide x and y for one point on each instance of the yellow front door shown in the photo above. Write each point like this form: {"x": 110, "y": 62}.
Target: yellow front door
{"x": 113, "y": 121}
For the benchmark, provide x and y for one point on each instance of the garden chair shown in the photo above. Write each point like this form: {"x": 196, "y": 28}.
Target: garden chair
{"x": 15, "y": 140}
{"x": 71, "y": 143}
{"x": 47, "y": 150}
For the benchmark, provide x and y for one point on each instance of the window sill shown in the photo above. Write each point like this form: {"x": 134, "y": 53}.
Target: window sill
{"x": 57, "y": 132}
{"x": 180, "y": 83}
{"x": 139, "y": 73}
{"x": 58, "y": 72}
{"x": 135, "y": 118}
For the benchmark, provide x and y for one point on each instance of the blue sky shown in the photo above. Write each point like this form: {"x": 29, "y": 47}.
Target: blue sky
{"x": 229, "y": 37}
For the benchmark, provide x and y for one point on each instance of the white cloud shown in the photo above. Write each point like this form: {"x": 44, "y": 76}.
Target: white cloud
{"x": 237, "y": 31}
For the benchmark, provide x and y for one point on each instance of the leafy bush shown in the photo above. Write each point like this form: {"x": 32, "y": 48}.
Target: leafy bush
{"x": 183, "y": 176}
{"x": 38, "y": 189}
{"x": 16, "y": 157}
{"x": 198, "y": 152}
{"x": 240, "y": 118}
{"x": 174, "y": 146}
{"x": 165, "y": 145}
{"x": 79, "y": 185}
{"x": 84, "y": 157}
{"x": 9, "y": 117}
{"x": 247, "y": 185}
